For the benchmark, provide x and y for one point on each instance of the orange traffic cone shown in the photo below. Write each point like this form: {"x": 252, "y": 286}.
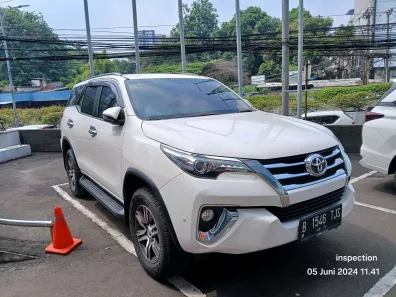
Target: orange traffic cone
{"x": 62, "y": 241}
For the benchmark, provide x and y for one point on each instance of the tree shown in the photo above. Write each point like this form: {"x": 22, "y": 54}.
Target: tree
{"x": 200, "y": 19}
{"x": 126, "y": 66}
{"x": 253, "y": 21}
{"x": 22, "y": 24}
{"x": 315, "y": 28}
{"x": 100, "y": 65}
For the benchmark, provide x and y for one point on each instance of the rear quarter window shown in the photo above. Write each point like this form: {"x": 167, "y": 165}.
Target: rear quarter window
{"x": 74, "y": 96}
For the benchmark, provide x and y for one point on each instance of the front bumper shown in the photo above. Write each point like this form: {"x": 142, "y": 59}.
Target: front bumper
{"x": 256, "y": 228}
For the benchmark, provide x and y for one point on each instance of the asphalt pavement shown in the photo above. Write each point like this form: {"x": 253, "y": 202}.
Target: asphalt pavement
{"x": 101, "y": 267}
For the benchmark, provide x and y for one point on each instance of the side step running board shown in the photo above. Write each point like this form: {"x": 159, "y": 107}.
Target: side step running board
{"x": 114, "y": 206}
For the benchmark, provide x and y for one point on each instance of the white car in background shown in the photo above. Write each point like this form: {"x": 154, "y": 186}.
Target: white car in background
{"x": 329, "y": 117}
{"x": 379, "y": 135}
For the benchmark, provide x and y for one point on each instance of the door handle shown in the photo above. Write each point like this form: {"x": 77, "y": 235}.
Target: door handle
{"x": 92, "y": 131}
{"x": 70, "y": 123}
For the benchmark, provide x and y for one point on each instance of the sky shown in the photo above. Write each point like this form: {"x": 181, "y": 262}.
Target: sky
{"x": 159, "y": 15}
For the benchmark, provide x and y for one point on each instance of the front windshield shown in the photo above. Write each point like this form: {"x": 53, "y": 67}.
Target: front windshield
{"x": 165, "y": 98}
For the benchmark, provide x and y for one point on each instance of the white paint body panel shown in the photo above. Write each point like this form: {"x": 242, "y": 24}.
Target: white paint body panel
{"x": 115, "y": 150}
{"x": 379, "y": 140}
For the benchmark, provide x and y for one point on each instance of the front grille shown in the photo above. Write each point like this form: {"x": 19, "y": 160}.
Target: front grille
{"x": 292, "y": 174}
{"x": 299, "y": 210}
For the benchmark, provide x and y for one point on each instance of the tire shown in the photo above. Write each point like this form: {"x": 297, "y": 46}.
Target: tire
{"x": 394, "y": 179}
{"x": 151, "y": 236}
{"x": 74, "y": 174}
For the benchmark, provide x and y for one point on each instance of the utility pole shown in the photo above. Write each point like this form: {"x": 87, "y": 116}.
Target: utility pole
{"x": 182, "y": 43}
{"x": 285, "y": 57}
{"x": 7, "y": 56}
{"x": 306, "y": 88}
{"x": 239, "y": 47}
{"x": 88, "y": 28}
{"x": 366, "y": 74}
{"x": 387, "y": 72}
{"x": 300, "y": 55}
{"x": 136, "y": 35}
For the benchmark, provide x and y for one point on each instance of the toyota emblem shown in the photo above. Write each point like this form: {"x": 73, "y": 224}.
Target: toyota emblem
{"x": 316, "y": 165}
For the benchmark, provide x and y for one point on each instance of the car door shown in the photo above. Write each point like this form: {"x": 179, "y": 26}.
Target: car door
{"x": 106, "y": 142}
{"x": 78, "y": 123}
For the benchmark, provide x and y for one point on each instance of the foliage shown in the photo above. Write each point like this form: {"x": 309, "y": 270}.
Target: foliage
{"x": 226, "y": 72}
{"x": 355, "y": 101}
{"x": 176, "y": 67}
{"x": 23, "y": 24}
{"x": 125, "y": 66}
{"x": 246, "y": 89}
{"x": 328, "y": 94}
{"x": 200, "y": 19}
{"x": 30, "y": 116}
{"x": 100, "y": 65}
{"x": 253, "y": 21}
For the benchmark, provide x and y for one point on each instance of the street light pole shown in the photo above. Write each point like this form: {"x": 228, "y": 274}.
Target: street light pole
{"x": 88, "y": 29}
{"x": 182, "y": 43}
{"x": 285, "y": 57}
{"x": 3, "y": 32}
{"x": 136, "y": 35}
{"x": 300, "y": 56}
{"x": 239, "y": 47}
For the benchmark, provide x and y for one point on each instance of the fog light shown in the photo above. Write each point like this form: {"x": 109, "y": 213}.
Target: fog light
{"x": 207, "y": 215}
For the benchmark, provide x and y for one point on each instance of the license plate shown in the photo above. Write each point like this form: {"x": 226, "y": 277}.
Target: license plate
{"x": 320, "y": 222}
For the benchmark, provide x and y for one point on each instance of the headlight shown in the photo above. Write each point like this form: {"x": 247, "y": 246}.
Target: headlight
{"x": 204, "y": 166}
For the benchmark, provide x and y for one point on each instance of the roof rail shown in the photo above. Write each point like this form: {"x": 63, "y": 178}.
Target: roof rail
{"x": 104, "y": 74}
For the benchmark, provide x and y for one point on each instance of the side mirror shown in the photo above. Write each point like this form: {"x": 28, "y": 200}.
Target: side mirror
{"x": 114, "y": 115}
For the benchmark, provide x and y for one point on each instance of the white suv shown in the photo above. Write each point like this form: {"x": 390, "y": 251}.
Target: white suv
{"x": 379, "y": 135}
{"x": 195, "y": 169}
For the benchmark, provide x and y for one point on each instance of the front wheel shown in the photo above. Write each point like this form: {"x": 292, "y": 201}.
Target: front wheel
{"x": 151, "y": 236}
{"x": 394, "y": 179}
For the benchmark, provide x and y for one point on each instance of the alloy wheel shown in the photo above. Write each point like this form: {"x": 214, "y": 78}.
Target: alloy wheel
{"x": 71, "y": 172}
{"x": 147, "y": 233}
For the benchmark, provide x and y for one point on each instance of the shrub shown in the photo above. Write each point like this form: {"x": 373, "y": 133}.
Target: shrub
{"x": 30, "y": 116}
{"x": 355, "y": 101}
{"x": 329, "y": 94}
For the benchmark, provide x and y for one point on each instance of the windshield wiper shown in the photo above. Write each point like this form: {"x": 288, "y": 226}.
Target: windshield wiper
{"x": 246, "y": 110}
{"x": 154, "y": 119}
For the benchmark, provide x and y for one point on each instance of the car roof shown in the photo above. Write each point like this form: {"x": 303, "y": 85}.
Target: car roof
{"x": 118, "y": 76}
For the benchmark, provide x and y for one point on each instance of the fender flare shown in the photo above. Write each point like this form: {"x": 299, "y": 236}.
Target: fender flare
{"x": 154, "y": 188}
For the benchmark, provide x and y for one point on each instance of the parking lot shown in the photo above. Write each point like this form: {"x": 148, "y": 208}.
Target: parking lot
{"x": 104, "y": 265}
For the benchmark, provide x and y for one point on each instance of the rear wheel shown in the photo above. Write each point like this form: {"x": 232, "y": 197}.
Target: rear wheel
{"x": 151, "y": 236}
{"x": 73, "y": 174}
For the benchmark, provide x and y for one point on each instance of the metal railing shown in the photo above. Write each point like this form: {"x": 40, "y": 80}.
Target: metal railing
{"x": 25, "y": 223}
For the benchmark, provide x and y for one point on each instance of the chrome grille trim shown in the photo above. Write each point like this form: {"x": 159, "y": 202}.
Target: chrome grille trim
{"x": 293, "y": 187}
{"x": 293, "y": 174}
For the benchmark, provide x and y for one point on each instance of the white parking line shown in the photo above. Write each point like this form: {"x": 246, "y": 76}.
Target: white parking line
{"x": 376, "y": 207}
{"x": 356, "y": 179}
{"x": 181, "y": 284}
{"x": 384, "y": 285}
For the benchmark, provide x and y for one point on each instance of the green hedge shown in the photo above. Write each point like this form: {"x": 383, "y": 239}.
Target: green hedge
{"x": 329, "y": 94}
{"x": 31, "y": 116}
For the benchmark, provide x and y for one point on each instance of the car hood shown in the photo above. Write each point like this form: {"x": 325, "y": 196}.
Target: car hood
{"x": 254, "y": 135}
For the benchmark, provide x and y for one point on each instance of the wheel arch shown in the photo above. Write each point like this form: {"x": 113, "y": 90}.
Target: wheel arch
{"x": 66, "y": 145}
{"x": 392, "y": 166}
{"x": 134, "y": 179}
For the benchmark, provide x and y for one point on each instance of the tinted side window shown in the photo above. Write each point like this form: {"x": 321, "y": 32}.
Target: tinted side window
{"x": 88, "y": 100}
{"x": 107, "y": 100}
{"x": 328, "y": 119}
{"x": 75, "y": 94}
